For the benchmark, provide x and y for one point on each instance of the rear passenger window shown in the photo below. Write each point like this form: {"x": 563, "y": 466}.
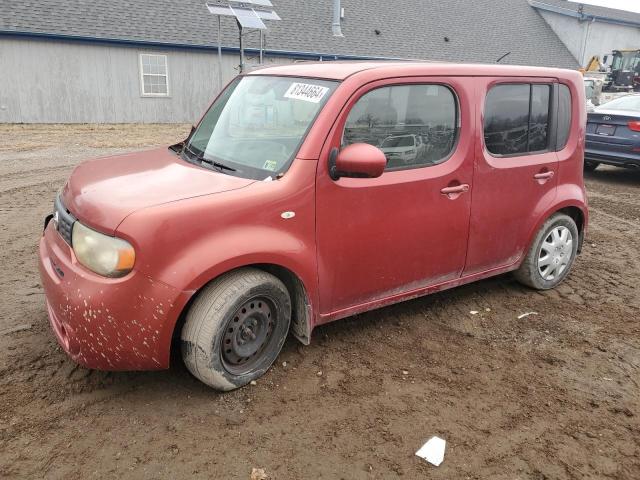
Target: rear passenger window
{"x": 414, "y": 125}
{"x": 516, "y": 120}
{"x": 564, "y": 116}
{"x": 539, "y": 119}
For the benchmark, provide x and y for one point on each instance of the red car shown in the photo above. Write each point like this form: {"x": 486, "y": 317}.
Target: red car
{"x": 281, "y": 212}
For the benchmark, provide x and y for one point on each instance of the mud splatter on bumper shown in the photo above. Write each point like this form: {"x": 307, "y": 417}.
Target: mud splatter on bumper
{"x": 103, "y": 323}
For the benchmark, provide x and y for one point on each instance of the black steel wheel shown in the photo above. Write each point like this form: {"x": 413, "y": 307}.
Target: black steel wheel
{"x": 235, "y": 328}
{"x": 247, "y": 334}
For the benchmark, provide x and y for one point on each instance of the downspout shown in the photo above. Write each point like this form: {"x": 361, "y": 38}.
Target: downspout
{"x": 585, "y": 41}
{"x": 337, "y": 14}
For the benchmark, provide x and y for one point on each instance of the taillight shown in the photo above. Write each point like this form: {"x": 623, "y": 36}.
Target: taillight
{"x": 635, "y": 126}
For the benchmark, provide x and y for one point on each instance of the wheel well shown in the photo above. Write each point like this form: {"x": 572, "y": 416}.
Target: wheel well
{"x": 301, "y": 315}
{"x": 300, "y": 304}
{"x": 576, "y": 214}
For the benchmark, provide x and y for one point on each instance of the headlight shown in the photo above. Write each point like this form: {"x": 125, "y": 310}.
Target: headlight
{"x": 102, "y": 254}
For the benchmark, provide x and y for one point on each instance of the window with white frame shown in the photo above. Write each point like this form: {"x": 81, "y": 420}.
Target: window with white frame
{"x": 154, "y": 75}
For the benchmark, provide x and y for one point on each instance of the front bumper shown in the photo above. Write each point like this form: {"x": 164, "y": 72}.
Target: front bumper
{"x": 104, "y": 323}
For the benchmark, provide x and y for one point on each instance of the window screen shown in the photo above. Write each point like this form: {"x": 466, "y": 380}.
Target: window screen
{"x": 564, "y": 116}
{"x": 414, "y": 125}
{"x": 517, "y": 119}
{"x": 155, "y": 75}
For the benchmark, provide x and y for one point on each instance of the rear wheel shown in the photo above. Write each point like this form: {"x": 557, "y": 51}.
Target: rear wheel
{"x": 590, "y": 165}
{"x": 236, "y": 327}
{"x": 551, "y": 255}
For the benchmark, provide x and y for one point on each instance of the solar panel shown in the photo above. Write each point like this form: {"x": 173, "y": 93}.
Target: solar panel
{"x": 266, "y": 15}
{"x": 248, "y": 18}
{"x": 220, "y": 10}
{"x": 262, "y": 3}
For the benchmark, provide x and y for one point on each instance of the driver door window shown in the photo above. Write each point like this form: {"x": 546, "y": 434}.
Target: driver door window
{"x": 414, "y": 125}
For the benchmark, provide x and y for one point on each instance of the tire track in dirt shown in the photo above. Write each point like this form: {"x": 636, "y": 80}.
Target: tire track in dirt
{"x": 11, "y": 184}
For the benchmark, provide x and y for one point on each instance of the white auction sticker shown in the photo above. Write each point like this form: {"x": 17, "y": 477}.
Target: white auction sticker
{"x": 306, "y": 92}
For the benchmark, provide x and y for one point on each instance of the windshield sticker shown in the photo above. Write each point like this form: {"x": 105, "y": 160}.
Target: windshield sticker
{"x": 270, "y": 165}
{"x": 306, "y": 92}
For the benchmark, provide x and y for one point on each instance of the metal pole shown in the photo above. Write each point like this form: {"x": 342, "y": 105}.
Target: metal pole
{"x": 219, "y": 53}
{"x": 261, "y": 47}
{"x": 241, "y": 49}
{"x": 337, "y": 14}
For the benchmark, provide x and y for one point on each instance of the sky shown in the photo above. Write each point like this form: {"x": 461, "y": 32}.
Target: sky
{"x": 630, "y": 5}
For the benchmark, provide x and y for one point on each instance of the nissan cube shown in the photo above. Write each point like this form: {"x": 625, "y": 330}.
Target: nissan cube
{"x": 309, "y": 193}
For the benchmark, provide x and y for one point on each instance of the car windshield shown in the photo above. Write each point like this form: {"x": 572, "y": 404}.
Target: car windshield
{"x": 392, "y": 142}
{"x": 630, "y": 102}
{"x": 257, "y": 124}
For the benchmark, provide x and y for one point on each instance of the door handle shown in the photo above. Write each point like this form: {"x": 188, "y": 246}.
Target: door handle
{"x": 455, "y": 191}
{"x": 543, "y": 175}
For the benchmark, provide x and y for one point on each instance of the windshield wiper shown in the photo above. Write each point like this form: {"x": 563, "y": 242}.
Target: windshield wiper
{"x": 213, "y": 163}
{"x": 186, "y": 148}
{"x": 199, "y": 157}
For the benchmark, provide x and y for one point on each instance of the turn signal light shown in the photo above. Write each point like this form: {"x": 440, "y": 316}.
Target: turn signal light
{"x": 635, "y": 126}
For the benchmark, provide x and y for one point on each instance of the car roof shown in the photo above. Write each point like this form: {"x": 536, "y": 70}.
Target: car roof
{"x": 341, "y": 70}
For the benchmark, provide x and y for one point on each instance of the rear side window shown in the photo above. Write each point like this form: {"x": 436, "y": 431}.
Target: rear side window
{"x": 414, "y": 125}
{"x": 564, "y": 116}
{"x": 516, "y": 120}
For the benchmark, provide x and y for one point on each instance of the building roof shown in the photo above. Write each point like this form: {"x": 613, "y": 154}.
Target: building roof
{"x": 478, "y": 31}
{"x": 588, "y": 12}
{"x": 341, "y": 70}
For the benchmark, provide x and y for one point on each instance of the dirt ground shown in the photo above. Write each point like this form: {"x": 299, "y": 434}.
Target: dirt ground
{"x": 554, "y": 395}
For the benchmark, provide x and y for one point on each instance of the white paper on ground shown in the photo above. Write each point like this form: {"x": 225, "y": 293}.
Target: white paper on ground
{"x": 433, "y": 451}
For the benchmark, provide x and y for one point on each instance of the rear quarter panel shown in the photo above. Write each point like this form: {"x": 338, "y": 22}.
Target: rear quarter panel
{"x": 570, "y": 190}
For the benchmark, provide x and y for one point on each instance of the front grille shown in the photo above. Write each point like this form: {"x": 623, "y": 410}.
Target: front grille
{"x": 65, "y": 220}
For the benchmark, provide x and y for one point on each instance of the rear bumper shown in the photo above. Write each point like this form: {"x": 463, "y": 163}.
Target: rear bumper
{"x": 619, "y": 159}
{"x": 103, "y": 323}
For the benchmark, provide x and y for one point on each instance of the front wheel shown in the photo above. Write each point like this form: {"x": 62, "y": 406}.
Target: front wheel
{"x": 236, "y": 327}
{"x": 551, "y": 255}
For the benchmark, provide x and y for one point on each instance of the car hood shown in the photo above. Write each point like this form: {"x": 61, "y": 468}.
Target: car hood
{"x": 102, "y": 192}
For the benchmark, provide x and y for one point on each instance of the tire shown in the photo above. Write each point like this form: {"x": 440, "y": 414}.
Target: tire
{"x": 236, "y": 328}
{"x": 547, "y": 264}
{"x": 590, "y": 166}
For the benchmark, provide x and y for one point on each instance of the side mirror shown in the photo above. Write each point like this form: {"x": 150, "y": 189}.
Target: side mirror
{"x": 605, "y": 59}
{"x": 359, "y": 160}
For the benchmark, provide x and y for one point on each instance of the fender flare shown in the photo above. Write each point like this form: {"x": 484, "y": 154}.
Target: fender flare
{"x": 563, "y": 206}
{"x": 286, "y": 261}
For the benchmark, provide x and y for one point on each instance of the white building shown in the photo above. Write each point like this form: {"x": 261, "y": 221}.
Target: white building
{"x": 589, "y": 30}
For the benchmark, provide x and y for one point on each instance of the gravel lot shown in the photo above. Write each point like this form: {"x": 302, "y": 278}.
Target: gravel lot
{"x": 551, "y": 396}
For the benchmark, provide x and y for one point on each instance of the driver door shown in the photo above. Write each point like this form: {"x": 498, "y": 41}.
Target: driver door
{"x": 380, "y": 238}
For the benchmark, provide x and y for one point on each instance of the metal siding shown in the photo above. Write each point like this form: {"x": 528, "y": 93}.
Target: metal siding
{"x": 70, "y": 82}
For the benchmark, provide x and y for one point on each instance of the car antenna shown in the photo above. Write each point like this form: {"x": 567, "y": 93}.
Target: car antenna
{"x": 498, "y": 60}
